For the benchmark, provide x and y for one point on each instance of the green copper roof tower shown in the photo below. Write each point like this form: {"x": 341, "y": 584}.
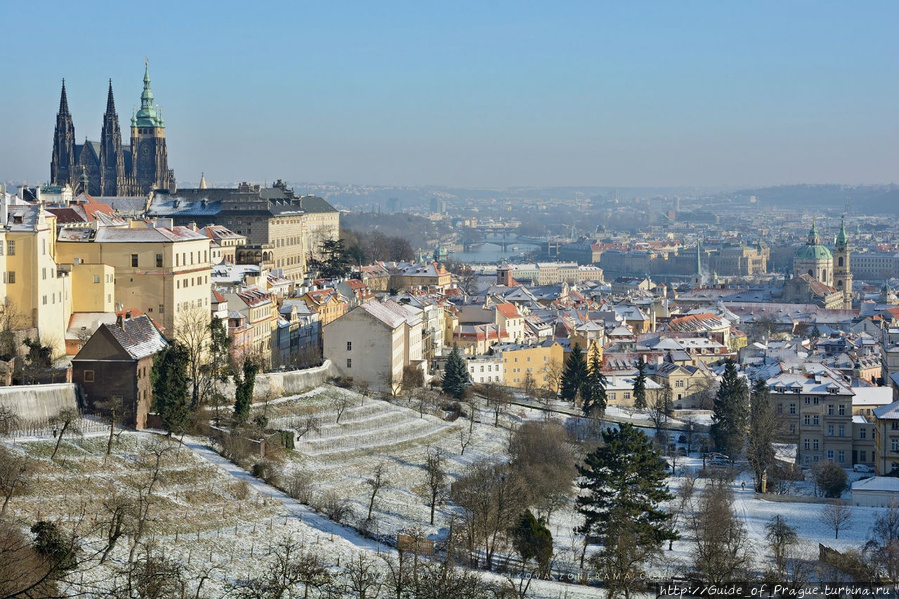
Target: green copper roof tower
{"x": 147, "y": 116}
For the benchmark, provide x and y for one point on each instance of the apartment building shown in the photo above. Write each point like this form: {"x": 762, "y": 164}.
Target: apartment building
{"x": 161, "y": 270}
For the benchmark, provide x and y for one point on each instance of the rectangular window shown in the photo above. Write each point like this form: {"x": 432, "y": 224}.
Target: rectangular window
{"x": 96, "y": 278}
{"x": 11, "y": 278}
{"x": 792, "y": 428}
{"x": 842, "y": 411}
{"x": 815, "y": 444}
{"x": 841, "y": 457}
{"x": 45, "y": 300}
{"x": 815, "y": 420}
{"x": 792, "y": 408}
{"x": 863, "y": 456}
{"x": 349, "y": 362}
{"x": 807, "y": 420}
{"x": 161, "y": 309}
{"x": 862, "y": 433}
{"x": 808, "y": 400}
{"x": 894, "y": 445}
{"x": 841, "y": 431}
{"x": 830, "y": 410}
{"x": 134, "y": 260}
{"x": 88, "y": 376}
{"x": 349, "y": 346}
{"x": 806, "y": 444}
{"x": 158, "y": 260}
{"x": 780, "y": 408}
{"x": 830, "y": 430}
{"x": 830, "y": 454}
{"x": 11, "y": 248}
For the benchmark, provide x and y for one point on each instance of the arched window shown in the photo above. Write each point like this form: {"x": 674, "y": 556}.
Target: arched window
{"x": 841, "y": 261}
{"x": 811, "y": 273}
{"x": 824, "y": 275}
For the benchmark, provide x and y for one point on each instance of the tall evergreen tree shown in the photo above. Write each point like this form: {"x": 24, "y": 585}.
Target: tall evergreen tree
{"x": 243, "y": 391}
{"x": 763, "y": 427}
{"x": 574, "y": 374}
{"x": 455, "y": 375}
{"x": 335, "y": 261}
{"x": 593, "y": 391}
{"x": 171, "y": 383}
{"x": 640, "y": 386}
{"x": 624, "y": 477}
{"x": 730, "y": 412}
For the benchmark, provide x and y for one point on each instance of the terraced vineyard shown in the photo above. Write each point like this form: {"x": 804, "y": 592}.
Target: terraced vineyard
{"x": 342, "y": 455}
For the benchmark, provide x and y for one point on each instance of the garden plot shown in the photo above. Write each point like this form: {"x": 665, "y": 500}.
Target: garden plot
{"x": 343, "y": 455}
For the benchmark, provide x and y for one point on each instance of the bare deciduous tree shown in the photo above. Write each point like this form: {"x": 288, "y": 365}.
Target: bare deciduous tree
{"x": 65, "y": 421}
{"x": 491, "y": 497}
{"x": 192, "y": 331}
{"x": 14, "y": 475}
{"x": 9, "y": 421}
{"x": 363, "y": 576}
{"x": 836, "y": 515}
{"x": 541, "y": 455}
{"x": 465, "y": 438}
{"x": 435, "y": 480}
{"x": 720, "y": 552}
{"x": 498, "y": 398}
{"x": 376, "y": 482}
{"x": 682, "y": 499}
{"x": 341, "y": 403}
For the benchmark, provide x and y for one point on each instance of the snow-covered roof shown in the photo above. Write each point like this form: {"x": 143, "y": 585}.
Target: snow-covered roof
{"x": 877, "y": 483}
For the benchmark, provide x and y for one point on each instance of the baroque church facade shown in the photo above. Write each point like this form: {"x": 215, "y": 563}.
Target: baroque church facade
{"x": 820, "y": 276}
{"x": 108, "y": 167}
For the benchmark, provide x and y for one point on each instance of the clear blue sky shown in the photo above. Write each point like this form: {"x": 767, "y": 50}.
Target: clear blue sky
{"x": 485, "y": 93}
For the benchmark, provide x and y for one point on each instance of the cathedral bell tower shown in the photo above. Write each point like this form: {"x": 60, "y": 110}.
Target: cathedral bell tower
{"x": 149, "y": 163}
{"x": 112, "y": 155}
{"x": 62, "y": 164}
{"x": 842, "y": 274}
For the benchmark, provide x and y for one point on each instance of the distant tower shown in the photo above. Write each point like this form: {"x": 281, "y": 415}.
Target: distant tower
{"x": 842, "y": 274}
{"x": 62, "y": 164}
{"x": 149, "y": 163}
{"x": 112, "y": 155}
{"x": 202, "y": 180}
{"x": 697, "y": 276}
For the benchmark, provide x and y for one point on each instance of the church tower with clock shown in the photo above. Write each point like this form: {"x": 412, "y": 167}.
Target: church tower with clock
{"x": 149, "y": 161}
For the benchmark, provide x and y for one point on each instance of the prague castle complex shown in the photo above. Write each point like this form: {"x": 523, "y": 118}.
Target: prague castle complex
{"x": 108, "y": 167}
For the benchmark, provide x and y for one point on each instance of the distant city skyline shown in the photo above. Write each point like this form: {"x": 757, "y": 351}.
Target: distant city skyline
{"x": 469, "y": 94}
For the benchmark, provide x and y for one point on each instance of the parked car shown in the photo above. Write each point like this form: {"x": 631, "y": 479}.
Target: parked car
{"x": 863, "y": 468}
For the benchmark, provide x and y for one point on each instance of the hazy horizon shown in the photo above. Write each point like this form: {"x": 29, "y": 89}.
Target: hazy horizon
{"x": 473, "y": 95}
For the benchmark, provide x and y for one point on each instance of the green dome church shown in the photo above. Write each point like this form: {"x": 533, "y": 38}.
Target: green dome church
{"x": 814, "y": 259}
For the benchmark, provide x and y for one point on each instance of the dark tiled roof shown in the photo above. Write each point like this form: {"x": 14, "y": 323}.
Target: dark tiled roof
{"x": 138, "y": 336}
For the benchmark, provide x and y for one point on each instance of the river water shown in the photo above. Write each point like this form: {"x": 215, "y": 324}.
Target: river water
{"x": 491, "y": 252}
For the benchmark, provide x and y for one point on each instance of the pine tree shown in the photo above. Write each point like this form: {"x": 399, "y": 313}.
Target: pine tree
{"x": 640, "y": 386}
{"x": 243, "y": 392}
{"x": 574, "y": 374}
{"x": 593, "y": 391}
{"x": 762, "y": 431}
{"x": 532, "y": 540}
{"x": 170, "y": 387}
{"x": 455, "y": 376}
{"x": 624, "y": 476}
{"x": 730, "y": 412}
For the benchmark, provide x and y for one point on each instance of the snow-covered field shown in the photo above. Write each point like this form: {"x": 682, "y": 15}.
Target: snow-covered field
{"x": 212, "y": 516}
